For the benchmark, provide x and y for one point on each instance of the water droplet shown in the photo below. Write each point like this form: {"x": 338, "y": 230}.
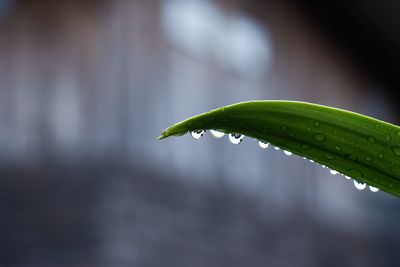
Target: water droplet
{"x": 319, "y": 137}
{"x": 380, "y": 156}
{"x": 333, "y": 172}
{"x": 347, "y": 177}
{"x": 311, "y": 161}
{"x": 387, "y": 137}
{"x": 316, "y": 124}
{"x": 337, "y": 148}
{"x": 236, "y": 138}
{"x": 371, "y": 139}
{"x": 323, "y": 166}
{"x": 287, "y": 153}
{"x": 197, "y": 134}
{"x": 359, "y": 186}
{"x": 263, "y": 145}
{"x": 396, "y": 150}
{"x": 276, "y": 148}
{"x": 368, "y": 158}
{"x": 217, "y": 134}
{"x": 391, "y": 185}
{"x": 373, "y": 189}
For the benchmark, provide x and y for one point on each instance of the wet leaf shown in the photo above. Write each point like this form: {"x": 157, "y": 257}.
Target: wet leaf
{"x": 366, "y": 149}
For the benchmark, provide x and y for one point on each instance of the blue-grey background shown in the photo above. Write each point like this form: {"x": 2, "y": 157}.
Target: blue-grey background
{"x": 86, "y": 86}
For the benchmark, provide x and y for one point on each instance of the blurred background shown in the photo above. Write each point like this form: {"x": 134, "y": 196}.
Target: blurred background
{"x": 87, "y": 85}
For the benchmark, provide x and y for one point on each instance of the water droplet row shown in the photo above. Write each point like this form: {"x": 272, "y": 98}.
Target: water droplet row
{"x": 236, "y": 139}
{"x": 362, "y": 186}
{"x": 357, "y": 185}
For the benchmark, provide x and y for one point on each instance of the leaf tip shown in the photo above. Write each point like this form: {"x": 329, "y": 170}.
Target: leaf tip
{"x": 162, "y": 136}
{"x": 166, "y": 133}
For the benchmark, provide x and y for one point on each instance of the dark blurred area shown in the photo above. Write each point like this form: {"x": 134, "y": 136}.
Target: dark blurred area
{"x": 87, "y": 85}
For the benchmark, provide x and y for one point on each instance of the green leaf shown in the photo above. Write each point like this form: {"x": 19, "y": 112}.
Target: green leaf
{"x": 366, "y": 149}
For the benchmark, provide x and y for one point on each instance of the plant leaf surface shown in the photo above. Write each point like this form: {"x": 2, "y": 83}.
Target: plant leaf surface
{"x": 361, "y": 147}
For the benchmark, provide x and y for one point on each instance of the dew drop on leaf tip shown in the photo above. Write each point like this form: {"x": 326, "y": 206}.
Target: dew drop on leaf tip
{"x": 197, "y": 134}
{"x": 263, "y": 145}
{"x": 236, "y": 138}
